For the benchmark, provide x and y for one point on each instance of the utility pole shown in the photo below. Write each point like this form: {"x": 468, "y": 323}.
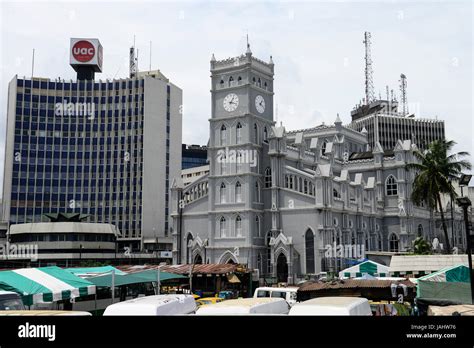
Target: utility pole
{"x": 465, "y": 203}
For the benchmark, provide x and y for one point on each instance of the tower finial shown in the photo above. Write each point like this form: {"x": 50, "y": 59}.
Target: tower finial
{"x": 248, "y": 52}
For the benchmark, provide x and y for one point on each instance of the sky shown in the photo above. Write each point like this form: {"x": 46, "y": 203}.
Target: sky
{"x": 316, "y": 46}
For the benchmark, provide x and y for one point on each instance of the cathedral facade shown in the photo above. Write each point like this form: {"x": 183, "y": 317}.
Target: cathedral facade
{"x": 290, "y": 203}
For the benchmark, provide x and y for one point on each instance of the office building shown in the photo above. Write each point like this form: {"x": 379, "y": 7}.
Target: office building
{"x": 106, "y": 148}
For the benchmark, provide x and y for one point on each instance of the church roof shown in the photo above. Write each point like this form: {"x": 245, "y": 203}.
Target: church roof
{"x": 355, "y": 156}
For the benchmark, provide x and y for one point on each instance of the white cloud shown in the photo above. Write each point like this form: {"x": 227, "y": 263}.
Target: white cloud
{"x": 317, "y": 48}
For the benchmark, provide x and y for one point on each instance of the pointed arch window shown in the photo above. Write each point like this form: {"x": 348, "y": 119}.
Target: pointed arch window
{"x": 265, "y": 134}
{"x": 222, "y": 227}
{"x": 231, "y": 81}
{"x": 223, "y": 193}
{"x": 391, "y": 186}
{"x": 223, "y": 135}
{"x": 323, "y": 147}
{"x": 255, "y": 133}
{"x": 223, "y": 164}
{"x": 268, "y": 177}
{"x": 257, "y": 192}
{"x": 238, "y": 192}
{"x": 222, "y": 83}
{"x": 309, "y": 248}
{"x": 238, "y": 133}
{"x": 393, "y": 243}
{"x": 257, "y": 226}
{"x": 239, "y": 162}
{"x": 238, "y": 226}
{"x": 239, "y": 80}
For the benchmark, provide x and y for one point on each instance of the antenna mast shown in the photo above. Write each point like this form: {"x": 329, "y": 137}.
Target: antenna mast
{"x": 150, "y": 57}
{"x": 369, "y": 83}
{"x": 403, "y": 90}
{"x": 33, "y": 63}
{"x": 133, "y": 60}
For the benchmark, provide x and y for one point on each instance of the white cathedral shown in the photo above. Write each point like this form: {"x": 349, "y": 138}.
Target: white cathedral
{"x": 279, "y": 200}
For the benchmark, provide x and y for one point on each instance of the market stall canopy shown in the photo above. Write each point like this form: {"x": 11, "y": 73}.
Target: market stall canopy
{"x": 420, "y": 265}
{"x": 87, "y": 272}
{"x": 45, "y": 284}
{"x": 232, "y": 278}
{"x": 449, "y": 284}
{"x": 368, "y": 267}
{"x": 133, "y": 278}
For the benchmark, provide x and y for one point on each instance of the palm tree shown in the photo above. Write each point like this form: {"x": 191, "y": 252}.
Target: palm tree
{"x": 436, "y": 170}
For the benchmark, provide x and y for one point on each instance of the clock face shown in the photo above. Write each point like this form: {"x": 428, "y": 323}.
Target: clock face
{"x": 260, "y": 104}
{"x": 231, "y": 101}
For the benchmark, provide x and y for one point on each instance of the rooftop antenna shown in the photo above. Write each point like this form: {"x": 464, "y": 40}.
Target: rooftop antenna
{"x": 369, "y": 83}
{"x": 33, "y": 63}
{"x": 132, "y": 60}
{"x": 150, "y": 57}
{"x": 403, "y": 91}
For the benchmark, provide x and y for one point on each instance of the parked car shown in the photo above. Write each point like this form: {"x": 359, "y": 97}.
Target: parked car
{"x": 154, "y": 305}
{"x": 289, "y": 293}
{"x": 227, "y": 294}
{"x": 10, "y": 301}
{"x": 208, "y": 300}
{"x": 246, "y": 306}
{"x": 333, "y": 306}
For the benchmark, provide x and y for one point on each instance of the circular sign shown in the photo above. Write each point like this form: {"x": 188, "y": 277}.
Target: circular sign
{"x": 83, "y": 51}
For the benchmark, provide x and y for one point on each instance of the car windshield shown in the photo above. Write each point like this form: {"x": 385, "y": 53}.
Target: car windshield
{"x": 11, "y": 304}
{"x": 263, "y": 293}
{"x": 281, "y": 294}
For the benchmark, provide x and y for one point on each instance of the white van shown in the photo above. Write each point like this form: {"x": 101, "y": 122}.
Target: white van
{"x": 154, "y": 305}
{"x": 10, "y": 301}
{"x": 246, "y": 306}
{"x": 332, "y": 306}
{"x": 289, "y": 294}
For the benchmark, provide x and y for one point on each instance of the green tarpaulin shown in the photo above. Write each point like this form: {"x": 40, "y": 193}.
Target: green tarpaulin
{"x": 368, "y": 267}
{"x": 133, "y": 278}
{"x": 45, "y": 284}
{"x": 86, "y": 272}
{"x": 448, "y": 284}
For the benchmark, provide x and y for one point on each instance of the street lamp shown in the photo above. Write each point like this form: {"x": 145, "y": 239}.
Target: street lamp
{"x": 464, "y": 181}
{"x": 465, "y": 203}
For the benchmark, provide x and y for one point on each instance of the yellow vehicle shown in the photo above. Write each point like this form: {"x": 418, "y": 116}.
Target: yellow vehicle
{"x": 208, "y": 300}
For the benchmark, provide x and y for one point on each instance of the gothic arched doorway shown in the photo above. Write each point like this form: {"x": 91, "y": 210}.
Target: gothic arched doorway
{"x": 282, "y": 269}
{"x": 198, "y": 260}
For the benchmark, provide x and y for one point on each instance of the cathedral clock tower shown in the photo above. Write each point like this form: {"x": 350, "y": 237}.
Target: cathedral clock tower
{"x": 241, "y": 120}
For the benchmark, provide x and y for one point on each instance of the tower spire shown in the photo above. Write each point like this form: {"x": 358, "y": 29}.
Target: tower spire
{"x": 248, "y": 52}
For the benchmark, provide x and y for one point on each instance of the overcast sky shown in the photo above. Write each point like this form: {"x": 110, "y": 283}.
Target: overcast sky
{"x": 316, "y": 46}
